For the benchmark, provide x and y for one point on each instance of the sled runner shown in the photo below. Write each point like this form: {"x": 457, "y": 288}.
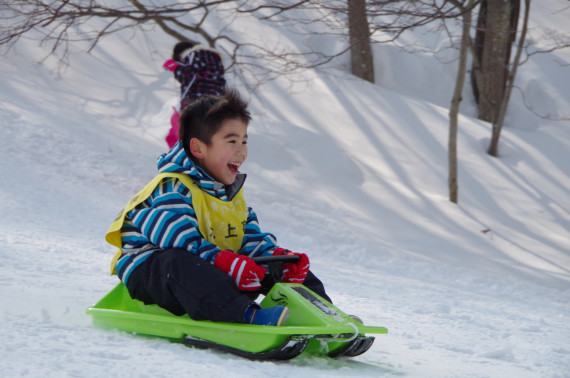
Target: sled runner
{"x": 315, "y": 326}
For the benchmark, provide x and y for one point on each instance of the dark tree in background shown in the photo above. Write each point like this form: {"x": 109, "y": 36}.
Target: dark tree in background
{"x": 494, "y": 37}
{"x": 361, "y": 60}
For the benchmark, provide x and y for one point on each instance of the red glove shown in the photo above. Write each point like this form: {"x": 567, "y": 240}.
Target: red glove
{"x": 247, "y": 274}
{"x": 170, "y": 64}
{"x": 294, "y": 272}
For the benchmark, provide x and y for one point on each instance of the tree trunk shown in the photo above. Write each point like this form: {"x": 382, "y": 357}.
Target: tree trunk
{"x": 362, "y": 63}
{"x": 496, "y": 32}
{"x": 455, "y": 102}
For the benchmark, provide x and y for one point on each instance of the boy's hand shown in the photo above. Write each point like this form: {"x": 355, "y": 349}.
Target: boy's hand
{"x": 247, "y": 274}
{"x": 171, "y": 65}
{"x": 294, "y": 272}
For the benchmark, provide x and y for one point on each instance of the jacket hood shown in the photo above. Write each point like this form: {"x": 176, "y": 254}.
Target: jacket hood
{"x": 185, "y": 53}
{"x": 176, "y": 160}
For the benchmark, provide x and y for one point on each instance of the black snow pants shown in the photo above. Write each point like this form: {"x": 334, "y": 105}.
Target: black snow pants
{"x": 183, "y": 283}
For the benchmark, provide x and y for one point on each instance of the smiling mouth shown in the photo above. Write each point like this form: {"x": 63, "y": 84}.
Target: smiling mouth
{"x": 234, "y": 167}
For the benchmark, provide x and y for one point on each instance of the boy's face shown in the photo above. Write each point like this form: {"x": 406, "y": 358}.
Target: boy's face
{"x": 226, "y": 152}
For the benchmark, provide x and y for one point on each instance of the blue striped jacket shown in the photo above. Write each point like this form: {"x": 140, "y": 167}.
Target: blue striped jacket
{"x": 169, "y": 207}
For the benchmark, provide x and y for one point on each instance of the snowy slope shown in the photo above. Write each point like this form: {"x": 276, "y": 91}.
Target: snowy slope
{"x": 355, "y": 174}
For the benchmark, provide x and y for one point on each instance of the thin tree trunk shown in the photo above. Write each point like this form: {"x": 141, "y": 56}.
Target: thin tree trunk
{"x": 455, "y": 102}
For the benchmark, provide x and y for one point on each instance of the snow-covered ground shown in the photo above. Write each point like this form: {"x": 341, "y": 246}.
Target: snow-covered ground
{"x": 352, "y": 173}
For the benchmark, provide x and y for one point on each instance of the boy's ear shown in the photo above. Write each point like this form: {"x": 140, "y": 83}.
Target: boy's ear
{"x": 197, "y": 148}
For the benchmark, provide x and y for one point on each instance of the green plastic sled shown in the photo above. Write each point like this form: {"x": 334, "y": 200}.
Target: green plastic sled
{"x": 315, "y": 326}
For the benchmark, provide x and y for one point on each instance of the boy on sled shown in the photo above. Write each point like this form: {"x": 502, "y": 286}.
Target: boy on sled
{"x": 186, "y": 241}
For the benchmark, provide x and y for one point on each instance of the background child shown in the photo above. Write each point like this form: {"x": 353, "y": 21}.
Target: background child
{"x": 200, "y": 71}
{"x": 188, "y": 238}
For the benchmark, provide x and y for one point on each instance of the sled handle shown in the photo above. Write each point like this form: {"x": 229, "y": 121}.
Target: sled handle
{"x": 280, "y": 258}
{"x": 275, "y": 264}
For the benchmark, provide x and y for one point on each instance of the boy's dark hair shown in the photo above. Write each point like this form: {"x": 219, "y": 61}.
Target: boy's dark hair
{"x": 204, "y": 117}
{"x": 179, "y": 49}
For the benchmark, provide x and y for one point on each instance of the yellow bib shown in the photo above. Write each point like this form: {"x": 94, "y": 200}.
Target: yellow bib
{"x": 221, "y": 223}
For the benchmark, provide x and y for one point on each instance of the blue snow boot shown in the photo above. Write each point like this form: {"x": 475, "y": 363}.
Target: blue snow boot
{"x": 272, "y": 316}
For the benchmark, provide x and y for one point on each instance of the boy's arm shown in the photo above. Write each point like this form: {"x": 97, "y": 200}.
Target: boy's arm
{"x": 168, "y": 220}
{"x": 256, "y": 243}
